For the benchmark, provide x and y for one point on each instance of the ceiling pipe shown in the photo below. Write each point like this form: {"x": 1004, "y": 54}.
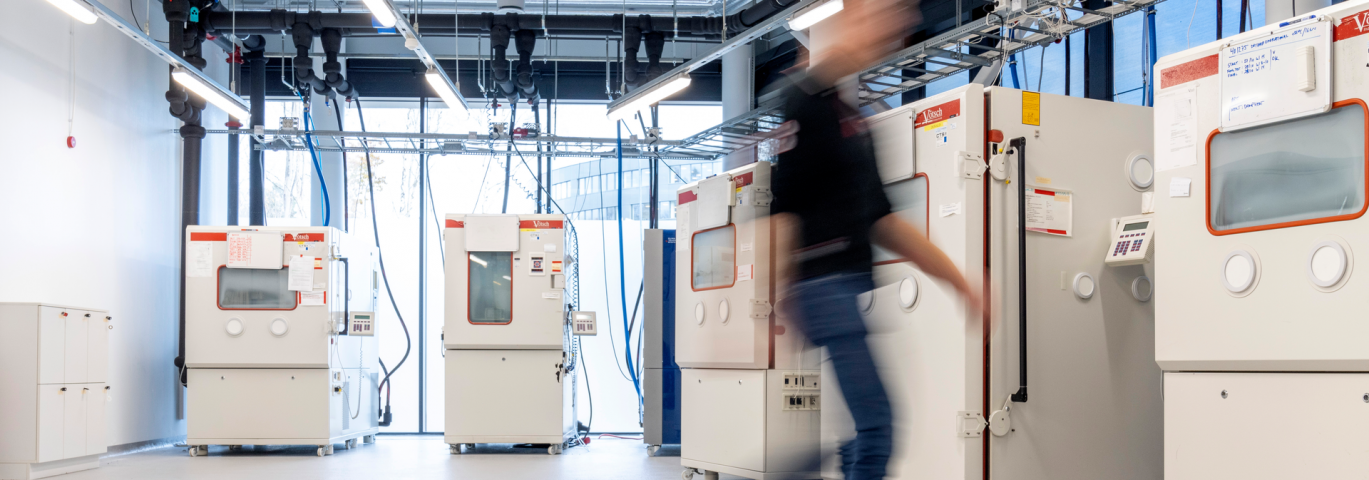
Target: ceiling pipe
{"x": 525, "y": 41}
{"x": 303, "y": 35}
{"x": 276, "y": 21}
{"x": 332, "y": 68}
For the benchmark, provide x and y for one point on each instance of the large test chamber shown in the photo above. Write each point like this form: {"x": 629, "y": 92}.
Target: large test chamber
{"x": 660, "y": 373}
{"x": 506, "y": 334}
{"x": 749, "y": 379}
{"x": 271, "y": 355}
{"x": 1259, "y": 321}
{"x": 952, "y": 166}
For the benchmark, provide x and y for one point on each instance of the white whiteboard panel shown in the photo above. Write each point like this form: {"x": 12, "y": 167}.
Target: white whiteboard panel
{"x": 894, "y": 152}
{"x": 1280, "y": 76}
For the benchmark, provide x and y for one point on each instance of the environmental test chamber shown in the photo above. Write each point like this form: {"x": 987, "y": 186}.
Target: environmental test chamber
{"x": 279, "y": 349}
{"x": 1259, "y": 321}
{"x": 660, "y": 373}
{"x": 507, "y": 335}
{"x": 952, "y": 166}
{"x": 749, "y": 378}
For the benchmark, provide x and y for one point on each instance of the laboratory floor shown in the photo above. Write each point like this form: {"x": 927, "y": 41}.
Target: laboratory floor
{"x": 395, "y": 457}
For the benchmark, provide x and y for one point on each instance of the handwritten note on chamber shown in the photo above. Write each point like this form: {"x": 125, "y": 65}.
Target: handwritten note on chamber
{"x": 1050, "y": 211}
{"x": 301, "y": 274}
{"x": 1279, "y": 76}
{"x": 1176, "y": 128}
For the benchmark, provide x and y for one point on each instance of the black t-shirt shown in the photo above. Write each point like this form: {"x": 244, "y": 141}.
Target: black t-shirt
{"x": 830, "y": 181}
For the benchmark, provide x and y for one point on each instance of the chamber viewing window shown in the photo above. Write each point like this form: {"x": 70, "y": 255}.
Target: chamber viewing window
{"x": 1288, "y": 173}
{"x": 715, "y": 258}
{"x": 255, "y": 289}
{"x": 490, "y": 297}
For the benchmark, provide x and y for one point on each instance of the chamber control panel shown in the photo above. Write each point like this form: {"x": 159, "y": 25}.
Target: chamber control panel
{"x": 1133, "y": 240}
{"x": 362, "y": 324}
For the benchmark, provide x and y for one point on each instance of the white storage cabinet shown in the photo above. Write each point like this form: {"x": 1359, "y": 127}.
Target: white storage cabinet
{"x": 54, "y": 377}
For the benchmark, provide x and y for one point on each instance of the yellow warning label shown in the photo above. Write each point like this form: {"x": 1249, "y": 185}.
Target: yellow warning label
{"x": 934, "y": 126}
{"x": 1031, "y": 108}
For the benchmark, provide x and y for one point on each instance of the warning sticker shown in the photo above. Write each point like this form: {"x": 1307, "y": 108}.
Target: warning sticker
{"x": 1031, "y": 108}
{"x": 1050, "y": 211}
{"x": 555, "y": 266}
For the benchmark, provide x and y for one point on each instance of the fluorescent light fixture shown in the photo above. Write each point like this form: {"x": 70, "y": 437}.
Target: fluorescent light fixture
{"x": 76, "y": 9}
{"x": 196, "y": 84}
{"x": 813, "y": 15}
{"x": 657, "y": 93}
{"x": 444, "y": 88}
{"x": 380, "y": 9}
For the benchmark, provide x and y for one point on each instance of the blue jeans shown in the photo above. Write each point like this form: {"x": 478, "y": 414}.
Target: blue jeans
{"x": 830, "y": 318}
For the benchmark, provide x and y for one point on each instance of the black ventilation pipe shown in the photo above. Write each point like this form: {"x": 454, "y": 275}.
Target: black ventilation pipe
{"x": 655, "y": 46}
{"x": 332, "y": 69}
{"x": 256, "y": 62}
{"x": 276, "y": 21}
{"x": 303, "y": 35}
{"x": 525, "y": 41}
{"x": 186, "y": 40}
{"x": 632, "y": 43}
{"x": 499, "y": 66}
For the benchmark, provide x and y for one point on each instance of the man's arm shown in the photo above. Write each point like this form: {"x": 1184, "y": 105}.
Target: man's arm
{"x": 895, "y": 234}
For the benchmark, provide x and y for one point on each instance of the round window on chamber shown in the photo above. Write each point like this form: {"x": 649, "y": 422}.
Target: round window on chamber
{"x": 908, "y": 291}
{"x": 1328, "y": 264}
{"x": 1140, "y": 171}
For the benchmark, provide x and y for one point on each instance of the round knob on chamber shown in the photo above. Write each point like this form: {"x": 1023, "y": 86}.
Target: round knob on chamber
{"x": 233, "y": 327}
{"x": 1327, "y": 264}
{"x": 699, "y": 313}
{"x": 1239, "y": 271}
{"x": 865, "y": 302}
{"x": 1084, "y": 286}
{"x": 279, "y": 327}
{"x": 908, "y": 291}
{"x": 723, "y": 311}
{"x": 1142, "y": 288}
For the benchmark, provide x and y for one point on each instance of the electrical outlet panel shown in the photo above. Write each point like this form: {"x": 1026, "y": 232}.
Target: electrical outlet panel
{"x": 801, "y": 381}
{"x": 801, "y": 401}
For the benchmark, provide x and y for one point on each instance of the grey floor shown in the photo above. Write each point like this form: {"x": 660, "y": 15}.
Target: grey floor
{"x": 395, "y": 457}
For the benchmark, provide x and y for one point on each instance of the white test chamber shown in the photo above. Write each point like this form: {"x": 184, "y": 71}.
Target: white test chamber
{"x": 506, "y": 332}
{"x": 738, "y": 416}
{"x": 1093, "y": 408}
{"x": 267, "y": 365}
{"x": 1259, "y": 314}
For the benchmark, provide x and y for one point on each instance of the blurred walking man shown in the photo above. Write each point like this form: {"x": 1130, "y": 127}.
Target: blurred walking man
{"x": 830, "y": 207}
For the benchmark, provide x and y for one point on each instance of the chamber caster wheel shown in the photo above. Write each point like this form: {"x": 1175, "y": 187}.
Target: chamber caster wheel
{"x": 368, "y": 439}
{"x": 554, "y": 450}
{"x": 652, "y": 449}
{"x": 455, "y": 448}
{"x": 194, "y": 451}
{"x": 199, "y": 450}
{"x": 320, "y": 451}
{"x": 687, "y": 474}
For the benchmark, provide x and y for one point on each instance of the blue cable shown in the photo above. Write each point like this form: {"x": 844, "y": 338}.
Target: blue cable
{"x": 1012, "y": 63}
{"x": 1150, "y": 81}
{"x": 318, "y": 167}
{"x": 622, "y": 269}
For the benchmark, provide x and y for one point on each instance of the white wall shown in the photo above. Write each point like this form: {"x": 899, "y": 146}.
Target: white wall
{"x": 97, "y": 226}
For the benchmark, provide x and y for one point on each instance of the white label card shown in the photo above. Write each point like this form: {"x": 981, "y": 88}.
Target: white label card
{"x": 311, "y": 298}
{"x": 746, "y": 247}
{"x": 950, "y": 209}
{"x": 1179, "y": 186}
{"x": 550, "y": 295}
{"x": 1050, "y": 211}
{"x": 301, "y": 274}
{"x": 745, "y": 272}
{"x": 199, "y": 259}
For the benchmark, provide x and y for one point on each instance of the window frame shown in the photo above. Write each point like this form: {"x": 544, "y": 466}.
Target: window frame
{"x": 218, "y": 294}
{"x": 693, "y": 237}
{"x": 470, "y": 283}
{"x": 1207, "y": 171}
